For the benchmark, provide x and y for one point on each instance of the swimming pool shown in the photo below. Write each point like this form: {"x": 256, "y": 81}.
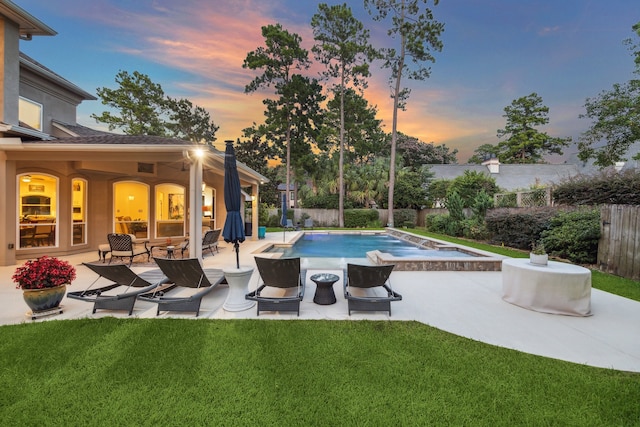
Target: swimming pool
{"x": 407, "y": 251}
{"x": 349, "y": 245}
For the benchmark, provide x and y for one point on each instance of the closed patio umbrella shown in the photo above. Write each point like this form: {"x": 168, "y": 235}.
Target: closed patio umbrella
{"x": 283, "y": 220}
{"x": 233, "y": 231}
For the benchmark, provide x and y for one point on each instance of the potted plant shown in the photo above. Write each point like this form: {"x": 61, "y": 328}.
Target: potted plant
{"x": 44, "y": 282}
{"x": 538, "y": 255}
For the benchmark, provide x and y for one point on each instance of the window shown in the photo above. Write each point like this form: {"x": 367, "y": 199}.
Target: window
{"x": 37, "y": 210}
{"x": 78, "y": 212}
{"x": 170, "y": 210}
{"x": 131, "y": 203}
{"x": 30, "y": 113}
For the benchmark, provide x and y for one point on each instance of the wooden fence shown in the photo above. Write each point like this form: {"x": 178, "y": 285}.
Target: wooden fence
{"x": 619, "y": 246}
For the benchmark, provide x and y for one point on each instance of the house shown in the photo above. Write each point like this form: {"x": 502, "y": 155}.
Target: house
{"x": 511, "y": 177}
{"x": 67, "y": 186}
{"x": 293, "y": 194}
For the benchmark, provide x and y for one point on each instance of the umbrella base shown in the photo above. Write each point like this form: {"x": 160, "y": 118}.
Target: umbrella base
{"x": 238, "y": 279}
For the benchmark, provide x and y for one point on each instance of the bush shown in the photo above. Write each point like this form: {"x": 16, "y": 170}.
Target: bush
{"x": 328, "y": 201}
{"x": 455, "y": 206}
{"x": 517, "y": 228}
{"x": 607, "y": 187}
{"x": 436, "y": 223}
{"x": 405, "y": 218}
{"x": 360, "y": 218}
{"x": 574, "y": 236}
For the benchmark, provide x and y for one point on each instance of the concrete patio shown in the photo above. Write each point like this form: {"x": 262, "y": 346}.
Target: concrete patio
{"x": 467, "y": 304}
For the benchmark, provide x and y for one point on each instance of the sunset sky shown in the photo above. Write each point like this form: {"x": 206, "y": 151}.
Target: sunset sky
{"x": 494, "y": 52}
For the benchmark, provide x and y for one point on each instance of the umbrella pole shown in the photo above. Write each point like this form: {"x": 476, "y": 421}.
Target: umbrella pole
{"x": 237, "y": 246}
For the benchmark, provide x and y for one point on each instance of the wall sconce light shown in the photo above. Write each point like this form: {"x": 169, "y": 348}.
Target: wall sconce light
{"x": 253, "y": 198}
{"x": 204, "y": 187}
{"x": 26, "y": 178}
{"x": 131, "y": 197}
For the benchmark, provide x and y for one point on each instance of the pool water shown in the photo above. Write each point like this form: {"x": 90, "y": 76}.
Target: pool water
{"x": 334, "y": 245}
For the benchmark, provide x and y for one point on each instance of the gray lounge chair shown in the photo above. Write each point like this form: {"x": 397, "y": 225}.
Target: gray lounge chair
{"x": 125, "y": 246}
{"x": 282, "y": 273}
{"x": 122, "y": 293}
{"x": 367, "y": 278}
{"x": 184, "y": 273}
{"x": 308, "y": 223}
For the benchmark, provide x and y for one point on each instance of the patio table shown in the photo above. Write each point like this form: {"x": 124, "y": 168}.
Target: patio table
{"x": 557, "y": 288}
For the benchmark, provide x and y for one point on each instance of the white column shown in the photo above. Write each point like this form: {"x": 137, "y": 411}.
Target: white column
{"x": 195, "y": 208}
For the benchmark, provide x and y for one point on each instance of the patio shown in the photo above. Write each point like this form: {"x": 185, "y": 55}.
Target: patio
{"x": 468, "y": 304}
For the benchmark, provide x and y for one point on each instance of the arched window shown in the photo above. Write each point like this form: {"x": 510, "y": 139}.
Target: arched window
{"x": 131, "y": 204}
{"x": 37, "y": 210}
{"x": 170, "y": 210}
{"x": 78, "y": 211}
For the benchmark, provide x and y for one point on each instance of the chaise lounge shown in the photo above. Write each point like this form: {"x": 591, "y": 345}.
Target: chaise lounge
{"x": 190, "y": 283}
{"x": 122, "y": 293}
{"x": 279, "y": 275}
{"x": 369, "y": 283}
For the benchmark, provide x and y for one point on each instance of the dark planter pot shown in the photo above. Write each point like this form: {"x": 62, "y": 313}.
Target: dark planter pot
{"x": 44, "y": 299}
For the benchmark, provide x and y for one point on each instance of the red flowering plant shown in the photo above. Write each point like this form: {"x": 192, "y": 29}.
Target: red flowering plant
{"x": 44, "y": 272}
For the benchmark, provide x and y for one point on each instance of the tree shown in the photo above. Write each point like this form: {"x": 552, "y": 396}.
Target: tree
{"x": 482, "y": 153}
{"x": 189, "y": 122}
{"x": 615, "y": 116}
{"x": 281, "y": 55}
{"x": 364, "y": 139}
{"x": 145, "y": 110}
{"x": 524, "y": 143}
{"x": 141, "y": 104}
{"x": 418, "y": 34}
{"x": 416, "y": 153}
{"x": 342, "y": 46}
{"x": 470, "y": 184}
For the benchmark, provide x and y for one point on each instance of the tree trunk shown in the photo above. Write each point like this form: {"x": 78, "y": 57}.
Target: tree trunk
{"x": 394, "y": 128}
{"x": 341, "y": 161}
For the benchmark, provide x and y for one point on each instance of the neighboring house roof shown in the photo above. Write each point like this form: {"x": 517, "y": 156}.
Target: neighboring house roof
{"x": 512, "y": 176}
{"x": 282, "y": 187}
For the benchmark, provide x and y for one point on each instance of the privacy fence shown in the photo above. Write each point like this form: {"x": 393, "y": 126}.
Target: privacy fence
{"x": 619, "y": 246}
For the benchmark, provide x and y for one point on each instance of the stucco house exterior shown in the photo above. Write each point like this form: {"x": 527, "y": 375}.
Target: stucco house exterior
{"x": 67, "y": 186}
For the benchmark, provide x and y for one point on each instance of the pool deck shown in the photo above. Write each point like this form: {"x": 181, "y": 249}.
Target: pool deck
{"x": 465, "y": 303}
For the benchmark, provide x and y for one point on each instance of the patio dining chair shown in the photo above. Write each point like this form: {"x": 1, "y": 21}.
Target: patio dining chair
{"x": 210, "y": 241}
{"x": 126, "y": 285}
{"x": 372, "y": 286}
{"x": 125, "y": 246}
{"x": 282, "y": 285}
{"x": 190, "y": 283}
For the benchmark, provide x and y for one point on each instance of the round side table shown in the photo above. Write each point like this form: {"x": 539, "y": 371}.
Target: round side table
{"x": 324, "y": 290}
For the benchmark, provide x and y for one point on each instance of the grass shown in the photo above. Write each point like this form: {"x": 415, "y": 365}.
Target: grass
{"x": 252, "y": 372}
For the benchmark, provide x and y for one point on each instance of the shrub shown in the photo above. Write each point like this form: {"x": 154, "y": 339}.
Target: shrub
{"x": 574, "y": 235}
{"x": 469, "y": 184}
{"x": 455, "y": 207}
{"x": 405, "y": 218}
{"x": 517, "y": 228}
{"x": 327, "y": 201}
{"x": 481, "y": 204}
{"x": 436, "y": 223}
{"x": 360, "y": 218}
{"x": 606, "y": 187}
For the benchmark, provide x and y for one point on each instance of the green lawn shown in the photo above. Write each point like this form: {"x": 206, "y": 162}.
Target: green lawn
{"x": 292, "y": 373}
